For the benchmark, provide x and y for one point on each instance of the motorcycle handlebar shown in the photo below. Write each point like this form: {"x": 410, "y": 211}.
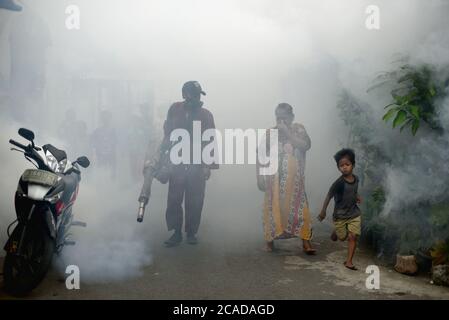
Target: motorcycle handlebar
{"x": 17, "y": 144}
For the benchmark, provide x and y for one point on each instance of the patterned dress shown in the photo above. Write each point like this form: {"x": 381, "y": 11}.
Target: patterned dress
{"x": 286, "y": 210}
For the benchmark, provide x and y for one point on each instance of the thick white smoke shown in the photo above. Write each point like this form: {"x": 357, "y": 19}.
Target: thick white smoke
{"x": 112, "y": 246}
{"x": 249, "y": 56}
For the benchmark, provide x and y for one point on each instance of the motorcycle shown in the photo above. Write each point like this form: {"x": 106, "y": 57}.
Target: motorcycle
{"x": 43, "y": 202}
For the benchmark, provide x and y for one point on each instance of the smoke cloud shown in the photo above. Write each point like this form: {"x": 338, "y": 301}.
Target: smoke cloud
{"x": 248, "y": 56}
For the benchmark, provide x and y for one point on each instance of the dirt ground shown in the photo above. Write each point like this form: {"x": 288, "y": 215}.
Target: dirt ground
{"x": 205, "y": 272}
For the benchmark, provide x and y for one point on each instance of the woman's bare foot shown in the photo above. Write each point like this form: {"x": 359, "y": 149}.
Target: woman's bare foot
{"x": 269, "y": 246}
{"x": 307, "y": 247}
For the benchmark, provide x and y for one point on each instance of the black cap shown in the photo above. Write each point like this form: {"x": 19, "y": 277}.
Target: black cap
{"x": 192, "y": 87}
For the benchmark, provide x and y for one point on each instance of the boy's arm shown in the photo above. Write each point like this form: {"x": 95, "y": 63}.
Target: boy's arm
{"x": 322, "y": 214}
{"x": 329, "y": 196}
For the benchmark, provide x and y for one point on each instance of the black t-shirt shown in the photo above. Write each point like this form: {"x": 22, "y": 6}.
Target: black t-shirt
{"x": 345, "y": 197}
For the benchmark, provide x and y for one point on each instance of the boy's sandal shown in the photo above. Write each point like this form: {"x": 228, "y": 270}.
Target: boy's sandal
{"x": 350, "y": 267}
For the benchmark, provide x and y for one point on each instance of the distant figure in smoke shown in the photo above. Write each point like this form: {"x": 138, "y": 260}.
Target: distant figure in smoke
{"x": 104, "y": 143}
{"x": 140, "y": 131}
{"x": 347, "y": 215}
{"x": 74, "y": 132}
{"x": 286, "y": 209}
{"x": 186, "y": 181}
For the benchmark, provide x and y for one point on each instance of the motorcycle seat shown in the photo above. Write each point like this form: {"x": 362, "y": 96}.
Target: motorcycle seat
{"x": 57, "y": 153}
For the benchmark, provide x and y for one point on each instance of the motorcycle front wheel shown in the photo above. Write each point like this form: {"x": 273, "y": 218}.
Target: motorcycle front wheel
{"x": 22, "y": 273}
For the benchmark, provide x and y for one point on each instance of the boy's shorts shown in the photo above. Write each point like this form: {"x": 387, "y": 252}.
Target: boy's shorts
{"x": 343, "y": 226}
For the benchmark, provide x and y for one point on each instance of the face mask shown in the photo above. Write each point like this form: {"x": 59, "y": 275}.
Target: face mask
{"x": 194, "y": 104}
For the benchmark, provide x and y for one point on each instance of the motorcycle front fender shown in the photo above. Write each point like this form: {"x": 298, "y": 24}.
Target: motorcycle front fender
{"x": 50, "y": 223}
{"x": 11, "y": 245}
{"x": 47, "y": 221}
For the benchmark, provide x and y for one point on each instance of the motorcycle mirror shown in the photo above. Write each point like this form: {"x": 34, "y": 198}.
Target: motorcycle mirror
{"x": 27, "y": 134}
{"x": 83, "y": 161}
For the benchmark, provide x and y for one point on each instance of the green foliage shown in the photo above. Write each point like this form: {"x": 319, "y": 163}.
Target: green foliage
{"x": 378, "y": 196}
{"x": 373, "y": 223}
{"x": 440, "y": 253}
{"x": 439, "y": 216}
{"x": 416, "y": 224}
{"x": 360, "y": 120}
{"x": 415, "y": 95}
{"x": 411, "y": 240}
{"x": 374, "y": 204}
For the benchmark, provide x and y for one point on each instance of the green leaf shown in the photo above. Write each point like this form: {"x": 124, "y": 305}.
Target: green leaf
{"x": 389, "y": 115}
{"x": 389, "y": 105}
{"x": 414, "y": 110}
{"x": 415, "y": 127}
{"x": 407, "y": 124}
{"x": 400, "y": 118}
{"x": 406, "y": 77}
{"x": 398, "y": 99}
{"x": 432, "y": 91}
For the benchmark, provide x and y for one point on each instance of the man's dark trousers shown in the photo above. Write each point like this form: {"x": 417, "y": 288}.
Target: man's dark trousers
{"x": 186, "y": 182}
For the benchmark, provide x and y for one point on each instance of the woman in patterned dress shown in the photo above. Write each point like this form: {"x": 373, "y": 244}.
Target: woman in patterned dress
{"x": 286, "y": 210}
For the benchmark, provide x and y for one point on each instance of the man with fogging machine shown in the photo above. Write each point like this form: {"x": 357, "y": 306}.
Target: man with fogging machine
{"x": 186, "y": 181}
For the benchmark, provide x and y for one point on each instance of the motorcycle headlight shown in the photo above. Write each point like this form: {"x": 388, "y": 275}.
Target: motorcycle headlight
{"x": 61, "y": 166}
{"x": 54, "y": 165}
